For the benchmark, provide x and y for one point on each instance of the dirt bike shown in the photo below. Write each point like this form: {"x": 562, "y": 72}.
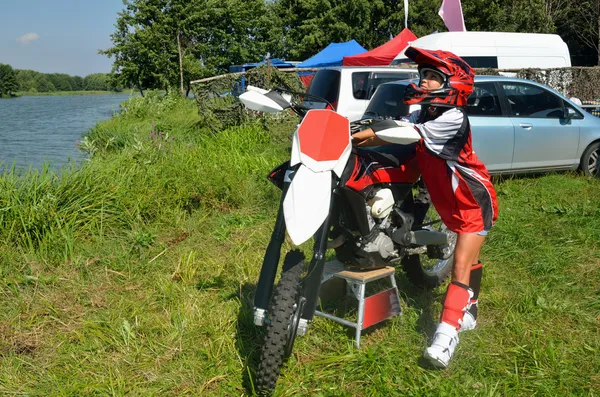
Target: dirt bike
{"x": 357, "y": 201}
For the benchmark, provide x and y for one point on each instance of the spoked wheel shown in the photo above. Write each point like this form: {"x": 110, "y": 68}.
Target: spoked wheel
{"x": 284, "y": 315}
{"x": 430, "y": 266}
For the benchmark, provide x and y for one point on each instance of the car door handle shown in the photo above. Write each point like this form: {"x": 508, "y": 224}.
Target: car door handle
{"x": 527, "y": 126}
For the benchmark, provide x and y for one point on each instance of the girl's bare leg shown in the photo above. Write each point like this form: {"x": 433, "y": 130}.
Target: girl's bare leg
{"x": 466, "y": 254}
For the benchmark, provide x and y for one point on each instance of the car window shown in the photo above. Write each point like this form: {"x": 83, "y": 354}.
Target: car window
{"x": 360, "y": 81}
{"x": 530, "y": 101}
{"x": 484, "y": 101}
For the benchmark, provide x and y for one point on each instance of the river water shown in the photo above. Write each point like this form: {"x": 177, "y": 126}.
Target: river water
{"x": 36, "y": 129}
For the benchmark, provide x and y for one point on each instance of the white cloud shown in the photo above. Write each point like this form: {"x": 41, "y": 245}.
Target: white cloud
{"x": 27, "y": 38}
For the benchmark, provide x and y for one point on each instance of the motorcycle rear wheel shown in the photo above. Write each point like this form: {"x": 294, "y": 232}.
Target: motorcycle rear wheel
{"x": 428, "y": 272}
{"x": 281, "y": 331}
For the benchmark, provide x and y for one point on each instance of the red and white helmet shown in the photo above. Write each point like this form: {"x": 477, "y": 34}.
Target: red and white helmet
{"x": 458, "y": 78}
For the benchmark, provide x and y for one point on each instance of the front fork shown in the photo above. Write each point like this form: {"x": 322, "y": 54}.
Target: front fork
{"x": 311, "y": 284}
{"x": 268, "y": 271}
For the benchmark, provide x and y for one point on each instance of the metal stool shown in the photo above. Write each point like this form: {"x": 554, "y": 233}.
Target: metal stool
{"x": 372, "y": 309}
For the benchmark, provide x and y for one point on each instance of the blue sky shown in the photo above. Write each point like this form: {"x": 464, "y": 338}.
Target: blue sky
{"x": 57, "y": 36}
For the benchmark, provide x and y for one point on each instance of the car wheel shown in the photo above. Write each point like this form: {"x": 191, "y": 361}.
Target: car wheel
{"x": 590, "y": 161}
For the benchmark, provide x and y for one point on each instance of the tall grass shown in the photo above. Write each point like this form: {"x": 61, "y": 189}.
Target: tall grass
{"x": 135, "y": 273}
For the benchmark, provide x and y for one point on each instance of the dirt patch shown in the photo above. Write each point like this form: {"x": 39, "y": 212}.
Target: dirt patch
{"x": 13, "y": 341}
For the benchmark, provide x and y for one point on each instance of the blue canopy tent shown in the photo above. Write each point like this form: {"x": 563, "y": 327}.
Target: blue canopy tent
{"x": 332, "y": 55}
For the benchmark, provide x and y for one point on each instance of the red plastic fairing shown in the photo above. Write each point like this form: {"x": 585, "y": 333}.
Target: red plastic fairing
{"x": 407, "y": 173}
{"x": 324, "y": 135}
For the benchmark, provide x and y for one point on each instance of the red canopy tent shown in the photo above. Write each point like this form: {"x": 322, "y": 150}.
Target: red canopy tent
{"x": 384, "y": 54}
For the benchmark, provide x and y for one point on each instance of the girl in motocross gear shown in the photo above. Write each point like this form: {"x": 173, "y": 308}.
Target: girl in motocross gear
{"x": 458, "y": 183}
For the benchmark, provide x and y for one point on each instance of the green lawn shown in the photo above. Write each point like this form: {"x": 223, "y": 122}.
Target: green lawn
{"x": 135, "y": 275}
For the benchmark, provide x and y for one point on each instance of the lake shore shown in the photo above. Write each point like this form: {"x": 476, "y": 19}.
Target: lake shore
{"x": 64, "y": 93}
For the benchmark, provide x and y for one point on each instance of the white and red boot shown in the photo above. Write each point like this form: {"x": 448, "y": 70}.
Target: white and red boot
{"x": 445, "y": 339}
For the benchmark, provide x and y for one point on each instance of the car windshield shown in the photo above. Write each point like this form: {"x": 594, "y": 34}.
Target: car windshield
{"x": 388, "y": 102}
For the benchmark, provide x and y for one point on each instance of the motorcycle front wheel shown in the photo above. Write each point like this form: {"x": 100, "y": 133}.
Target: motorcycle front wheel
{"x": 284, "y": 313}
{"x": 430, "y": 272}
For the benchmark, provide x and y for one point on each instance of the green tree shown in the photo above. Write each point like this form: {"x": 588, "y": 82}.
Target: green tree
{"x": 26, "y": 79}
{"x": 155, "y": 40}
{"x": 96, "y": 82}
{"x": 585, "y": 17}
{"x": 43, "y": 83}
{"x": 77, "y": 83}
{"x": 61, "y": 82}
{"x": 8, "y": 80}
{"x": 310, "y": 25}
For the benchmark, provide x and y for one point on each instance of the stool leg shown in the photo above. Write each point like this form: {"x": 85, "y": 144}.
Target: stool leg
{"x": 393, "y": 281}
{"x": 361, "y": 313}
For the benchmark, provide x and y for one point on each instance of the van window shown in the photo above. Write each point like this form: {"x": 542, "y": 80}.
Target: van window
{"x": 399, "y": 61}
{"x": 325, "y": 84}
{"x": 484, "y": 101}
{"x": 364, "y": 84}
{"x": 359, "y": 84}
{"x": 482, "y": 62}
{"x": 388, "y": 102}
{"x": 530, "y": 101}
{"x": 378, "y": 78}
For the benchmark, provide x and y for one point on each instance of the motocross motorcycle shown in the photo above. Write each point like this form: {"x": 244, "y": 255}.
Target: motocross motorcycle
{"x": 357, "y": 201}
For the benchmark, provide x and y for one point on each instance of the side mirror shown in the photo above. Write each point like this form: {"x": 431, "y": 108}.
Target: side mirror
{"x": 569, "y": 113}
{"x": 264, "y": 101}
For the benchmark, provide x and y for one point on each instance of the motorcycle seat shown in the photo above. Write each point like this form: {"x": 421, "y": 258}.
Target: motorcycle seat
{"x": 389, "y": 155}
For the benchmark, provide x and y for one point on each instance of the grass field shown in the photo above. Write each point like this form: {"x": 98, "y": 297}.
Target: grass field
{"x": 135, "y": 274}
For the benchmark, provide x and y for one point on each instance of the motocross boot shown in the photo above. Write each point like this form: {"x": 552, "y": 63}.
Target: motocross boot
{"x": 445, "y": 339}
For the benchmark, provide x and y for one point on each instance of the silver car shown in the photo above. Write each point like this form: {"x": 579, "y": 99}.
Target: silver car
{"x": 518, "y": 125}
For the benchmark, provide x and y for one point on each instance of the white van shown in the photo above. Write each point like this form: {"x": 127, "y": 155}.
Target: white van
{"x": 498, "y": 50}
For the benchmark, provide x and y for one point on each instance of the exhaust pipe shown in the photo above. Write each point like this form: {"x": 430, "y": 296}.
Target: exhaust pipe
{"x": 428, "y": 237}
{"x": 420, "y": 237}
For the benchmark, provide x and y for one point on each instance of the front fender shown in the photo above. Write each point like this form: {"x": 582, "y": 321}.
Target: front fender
{"x": 306, "y": 203}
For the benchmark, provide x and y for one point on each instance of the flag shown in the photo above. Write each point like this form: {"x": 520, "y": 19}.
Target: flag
{"x": 451, "y": 13}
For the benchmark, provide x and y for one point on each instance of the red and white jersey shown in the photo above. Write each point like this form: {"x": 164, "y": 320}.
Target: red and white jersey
{"x": 458, "y": 182}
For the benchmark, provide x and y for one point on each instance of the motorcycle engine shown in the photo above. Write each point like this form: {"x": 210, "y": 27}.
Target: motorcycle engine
{"x": 379, "y": 209}
{"x": 376, "y": 249}
{"x": 381, "y": 244}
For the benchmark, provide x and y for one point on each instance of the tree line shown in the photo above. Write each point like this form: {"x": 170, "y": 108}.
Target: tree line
{"x": 166, "y": 44}
{"x": 16, "y": 80}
